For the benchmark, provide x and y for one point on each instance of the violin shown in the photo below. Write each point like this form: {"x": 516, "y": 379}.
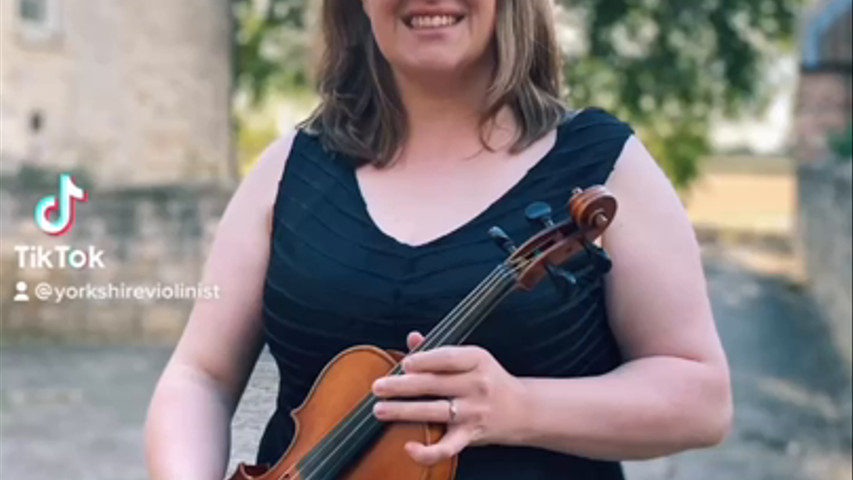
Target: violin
{"x": 338, "y": 437}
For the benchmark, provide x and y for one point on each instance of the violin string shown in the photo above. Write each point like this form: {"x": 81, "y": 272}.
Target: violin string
{"x": 501, "y": 273}
{"x": 437, "y": 337}
{"x": 359, "y": 414}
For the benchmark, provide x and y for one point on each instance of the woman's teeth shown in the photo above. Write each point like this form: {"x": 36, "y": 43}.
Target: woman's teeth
{"x": 435, "y": 21}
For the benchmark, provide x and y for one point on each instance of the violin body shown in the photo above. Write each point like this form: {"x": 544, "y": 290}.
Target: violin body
{"x": 342, "y": 384}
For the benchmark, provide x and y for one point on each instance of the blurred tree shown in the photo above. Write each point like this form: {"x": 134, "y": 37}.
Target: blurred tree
{"x": 270, "y": 47}
{"x": 666, "y": 66}
{"x": 671, "y": 66}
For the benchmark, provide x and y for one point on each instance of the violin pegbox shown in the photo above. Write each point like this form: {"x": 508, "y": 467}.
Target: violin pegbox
{"x": 591, "y": 211}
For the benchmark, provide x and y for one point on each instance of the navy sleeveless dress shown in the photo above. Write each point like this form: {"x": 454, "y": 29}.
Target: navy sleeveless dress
{"x": 335, "y": 280}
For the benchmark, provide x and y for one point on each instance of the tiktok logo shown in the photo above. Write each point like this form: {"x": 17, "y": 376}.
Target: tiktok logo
{"x": 54, "y": 214}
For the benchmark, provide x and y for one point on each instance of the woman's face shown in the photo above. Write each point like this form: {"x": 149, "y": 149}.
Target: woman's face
{"x": 432, "y": 36}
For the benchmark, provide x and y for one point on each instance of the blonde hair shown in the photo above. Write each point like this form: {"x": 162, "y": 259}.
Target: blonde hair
{"x": 362, "y": 116}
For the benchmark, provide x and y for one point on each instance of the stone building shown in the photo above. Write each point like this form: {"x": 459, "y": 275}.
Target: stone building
{"x": 136, "y": 96}
{"x": 825, "y": 178}
{"x": 133, "y": 92}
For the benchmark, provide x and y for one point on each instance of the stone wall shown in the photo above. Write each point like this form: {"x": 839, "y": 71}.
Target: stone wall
{"x": 150, "y": 237}
{"x": 137, "y": 92}
{"x": 823, "y": 106}
{"x": 824, "y": 231}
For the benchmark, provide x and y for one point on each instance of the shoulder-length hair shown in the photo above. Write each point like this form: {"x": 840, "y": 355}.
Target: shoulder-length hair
{"x": 362, "y": 116}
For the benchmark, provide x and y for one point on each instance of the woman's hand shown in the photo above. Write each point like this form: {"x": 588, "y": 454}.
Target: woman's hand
{"x": 478, "y": 400}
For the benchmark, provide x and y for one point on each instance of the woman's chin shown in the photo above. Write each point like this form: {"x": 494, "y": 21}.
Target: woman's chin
{"x": 435, "y": 68}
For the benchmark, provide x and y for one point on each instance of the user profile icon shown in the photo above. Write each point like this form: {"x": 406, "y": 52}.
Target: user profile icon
{"x": 21, "y": 292}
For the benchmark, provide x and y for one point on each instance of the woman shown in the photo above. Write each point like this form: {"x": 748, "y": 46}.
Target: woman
{"x": 440, "y": 119}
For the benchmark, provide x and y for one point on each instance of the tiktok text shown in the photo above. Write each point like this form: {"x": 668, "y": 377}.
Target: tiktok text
{"x": 59, "y": 257}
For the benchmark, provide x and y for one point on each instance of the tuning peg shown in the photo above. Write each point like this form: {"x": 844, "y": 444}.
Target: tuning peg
{"x": 539, "y": 214}
{"x": 502, "y": 240}
{"x": 605, "y": 264}
{"x": 600, "y": 258}
{"x": 565, "y": 280}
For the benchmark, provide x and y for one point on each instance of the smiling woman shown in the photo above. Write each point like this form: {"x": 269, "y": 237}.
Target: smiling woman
{"x": 440, "y": 119}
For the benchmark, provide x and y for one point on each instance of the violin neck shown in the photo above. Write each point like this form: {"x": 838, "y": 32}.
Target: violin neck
{"x": 458, "y": 325}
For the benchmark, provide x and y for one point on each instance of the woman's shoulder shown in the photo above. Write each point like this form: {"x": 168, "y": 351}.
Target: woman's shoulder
{"x": 297, "y": 154}
{"x": 589, "y": 144}
{"x": 597, "y": 119}
{"x": 272, "y": 161}
{"x": 592, "y": 129}
{"x": 259, "y": 188}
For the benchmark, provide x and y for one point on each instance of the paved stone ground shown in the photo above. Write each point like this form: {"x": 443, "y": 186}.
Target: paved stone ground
{"x": 76, "y": 412}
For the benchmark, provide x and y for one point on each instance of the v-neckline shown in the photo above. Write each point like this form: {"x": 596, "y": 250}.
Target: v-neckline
{"x": 459, "y": 229}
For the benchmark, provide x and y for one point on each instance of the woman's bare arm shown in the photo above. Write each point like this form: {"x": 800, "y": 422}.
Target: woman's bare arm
{"x": 673, "y": 393}
{"x": 187, "y": 432}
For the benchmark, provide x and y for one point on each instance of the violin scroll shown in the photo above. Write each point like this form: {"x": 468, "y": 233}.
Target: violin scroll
{"x": 593, "y": 209}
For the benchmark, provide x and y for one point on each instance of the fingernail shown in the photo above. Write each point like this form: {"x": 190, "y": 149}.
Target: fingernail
{"x": 379, "y": 385}
{"x": 379, "y": 409}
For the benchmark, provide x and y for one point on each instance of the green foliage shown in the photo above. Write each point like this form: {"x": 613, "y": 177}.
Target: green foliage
{"x": 670, "y": 66}
{"x": 841, "y": 143}
{"x": 252, "y": 139}
{"x": 666, "y": 66}
{"x": 270, "y": 46}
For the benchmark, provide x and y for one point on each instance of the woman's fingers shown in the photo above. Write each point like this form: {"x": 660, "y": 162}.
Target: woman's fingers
{"x": 446, "y": 359}
{"x": 433, "y": 411}
{"x": 414, "y": 340}
{"x": 423, "y": 385}
{"x": 449, "y": 446}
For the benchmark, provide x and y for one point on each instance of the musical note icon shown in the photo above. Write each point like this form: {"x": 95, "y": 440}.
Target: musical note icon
{"x": 54, "y": 214}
